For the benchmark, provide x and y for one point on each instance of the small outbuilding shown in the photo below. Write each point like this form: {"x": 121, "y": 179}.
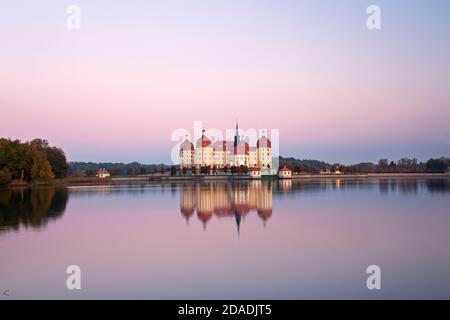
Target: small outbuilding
{"x": 102, "y": 173}
{"x": 254, "y": 173}
{"x": 285, "y": 173}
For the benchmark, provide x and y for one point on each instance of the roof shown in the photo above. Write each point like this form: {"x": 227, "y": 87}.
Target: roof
{"x": 285, "y": 169}
{"x": 222, "y": 145}
{"x": 187, "y": 145}
{"x": 203, "y": 141}
{"x": 242, "y": 148}
{"x": 263, "y": 142}
{"x": 264, "y": 213}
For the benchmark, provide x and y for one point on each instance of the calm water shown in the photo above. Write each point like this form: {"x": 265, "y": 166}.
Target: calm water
{"x": 255, "y": 239}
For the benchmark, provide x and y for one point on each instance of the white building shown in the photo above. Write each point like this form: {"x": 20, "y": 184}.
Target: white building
{"x": 264, "y": 147}
{"x": 255, "y": 173}
{"x": 102, "y": 173}
{"x": 285, "y": 173}
{"x": 226, "y": 153}
{"x": 204, "y": 152}
{"x": 253, "y": 157}
{"x": 186, "y": 154}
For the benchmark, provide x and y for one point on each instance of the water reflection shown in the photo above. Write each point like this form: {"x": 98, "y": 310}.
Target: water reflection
{"x": 31, "y": 207}
{"x": 384, "y": 185}
{"x": 223, "y": 199}
{"x": 35, "y": 207}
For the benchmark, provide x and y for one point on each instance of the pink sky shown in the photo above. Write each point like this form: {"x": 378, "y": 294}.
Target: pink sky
{"x": 116, "y": 89}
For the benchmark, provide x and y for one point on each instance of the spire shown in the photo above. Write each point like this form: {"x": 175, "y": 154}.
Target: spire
{"x": 238, "y": 221}
{"x": 237, "y": 139}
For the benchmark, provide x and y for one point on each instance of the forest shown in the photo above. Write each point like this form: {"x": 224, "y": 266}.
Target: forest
{"x": 31, "y": 161}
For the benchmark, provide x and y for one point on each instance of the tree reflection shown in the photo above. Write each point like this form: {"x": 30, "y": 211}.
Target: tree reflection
{"x": 31, "y": 207}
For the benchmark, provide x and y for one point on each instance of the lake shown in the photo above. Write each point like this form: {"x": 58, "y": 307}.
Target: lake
{"x": 302, "y": 239}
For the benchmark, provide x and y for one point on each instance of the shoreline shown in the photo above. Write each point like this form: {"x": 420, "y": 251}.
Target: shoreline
{"x": 67, "y": 182}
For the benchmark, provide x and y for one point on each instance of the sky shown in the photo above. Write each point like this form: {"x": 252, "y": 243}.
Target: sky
{"x": 137, "y": 71}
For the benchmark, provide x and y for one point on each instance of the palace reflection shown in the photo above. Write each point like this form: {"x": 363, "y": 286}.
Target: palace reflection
{"x": 226, "y": 199}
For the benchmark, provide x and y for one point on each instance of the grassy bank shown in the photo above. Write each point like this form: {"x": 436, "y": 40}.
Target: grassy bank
{"x": 72, "y": 181}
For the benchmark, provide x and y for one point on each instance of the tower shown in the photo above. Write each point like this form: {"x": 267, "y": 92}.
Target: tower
{"x": 237, "y": 139}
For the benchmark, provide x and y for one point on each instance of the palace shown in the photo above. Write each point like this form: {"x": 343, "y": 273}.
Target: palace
{"x": 223, "y": 153}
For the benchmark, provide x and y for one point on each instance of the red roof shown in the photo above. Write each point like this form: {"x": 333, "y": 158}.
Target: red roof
{"x": 187, "y": 145}
{"x": 204, "y": 216}
{"x": 203, "y": 142}
{"x": 187, "y": 212}
{"x": 265, "y": 213}
{"x": 264, "y": 143}
{"x": 242, "y": 148}
{"x": 220, "y": 145}
{"x": 285, "y": 169}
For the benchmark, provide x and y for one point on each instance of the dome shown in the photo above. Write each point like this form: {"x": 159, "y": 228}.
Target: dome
{"x": 187, "y": 212}
{"x": 263, "y": 142}
{"x": 204, "y": 216}
{"x": 203, "y": 142}
{"x": 187, "y": 145}
{"x": 264, "y": 213}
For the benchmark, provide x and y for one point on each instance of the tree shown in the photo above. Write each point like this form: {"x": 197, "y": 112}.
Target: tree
{"x": 383, "y": 163}
{"x": 205, "y": 170}
{"x": 115, "y": 171}
{"x": 90, "y": 173}
{"x": 173, "y": 170}
{"x": 41, "y": 169}
{"x": 243, "y": 169}
{"x": 5, "y": 176}
{"x": 142, "y": 171}
{"x": 194, "y": 170}
{"x": 130, "y": 171}
{"x": 436, "y": 166}
{"x": 55, "y": 157}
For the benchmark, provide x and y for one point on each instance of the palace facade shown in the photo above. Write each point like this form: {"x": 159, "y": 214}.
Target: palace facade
{"x": 226, "y": 153}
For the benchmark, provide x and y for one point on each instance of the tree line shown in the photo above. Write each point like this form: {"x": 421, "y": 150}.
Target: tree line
{"x": 36, "y": 160}
{"x": 30, "y": 161}
{"x": 404, "y": 165}
{"x": 89, "y": 169}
